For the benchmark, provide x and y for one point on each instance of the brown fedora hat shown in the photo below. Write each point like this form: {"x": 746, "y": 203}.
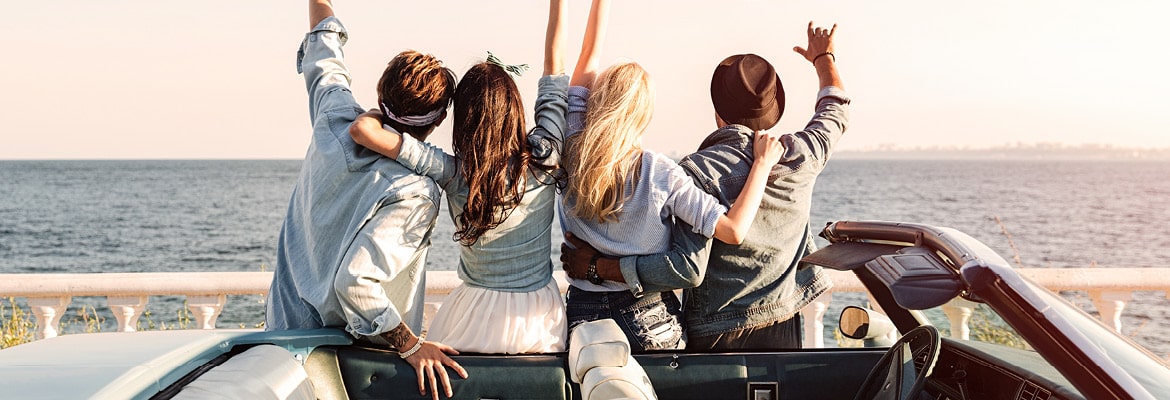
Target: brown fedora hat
{"x": 746, "y": 90}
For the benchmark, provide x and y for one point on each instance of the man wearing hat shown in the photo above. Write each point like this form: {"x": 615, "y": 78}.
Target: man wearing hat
{"x": 752, "y": 294}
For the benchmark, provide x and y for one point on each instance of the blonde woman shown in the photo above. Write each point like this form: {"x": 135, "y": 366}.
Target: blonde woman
{"x": 622, "y": 199}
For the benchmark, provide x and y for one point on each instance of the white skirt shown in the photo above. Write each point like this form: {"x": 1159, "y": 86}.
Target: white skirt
{"x": 480, "y": 320}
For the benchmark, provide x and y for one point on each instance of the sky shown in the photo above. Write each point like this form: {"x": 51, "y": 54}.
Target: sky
{"x": 136, "y": 79}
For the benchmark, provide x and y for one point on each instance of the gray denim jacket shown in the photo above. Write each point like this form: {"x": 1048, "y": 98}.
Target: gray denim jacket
{"x": 730, "y": 288}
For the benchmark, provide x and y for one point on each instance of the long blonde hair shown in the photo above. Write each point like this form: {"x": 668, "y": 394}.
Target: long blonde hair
{"x": 607, "y": 152}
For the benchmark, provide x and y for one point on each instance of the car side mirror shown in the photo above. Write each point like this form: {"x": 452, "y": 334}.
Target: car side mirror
{"x": 865, "y": 324}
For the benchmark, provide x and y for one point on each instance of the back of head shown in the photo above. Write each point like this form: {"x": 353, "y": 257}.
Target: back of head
{"x": 605, "y": 153}
{"x": 746, "y": 90}
{"x": 489, "y": 139}
{"x": 414, "y": 92}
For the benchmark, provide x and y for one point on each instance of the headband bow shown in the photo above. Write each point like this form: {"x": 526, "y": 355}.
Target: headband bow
{"x": 517, "y": 69}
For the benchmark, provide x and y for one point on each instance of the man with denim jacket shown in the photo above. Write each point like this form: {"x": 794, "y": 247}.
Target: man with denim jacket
{"x": 353, "y": 245}
{"x": 747, "y": 296}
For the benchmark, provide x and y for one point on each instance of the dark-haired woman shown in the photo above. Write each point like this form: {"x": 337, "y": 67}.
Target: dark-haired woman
{"x": 501, "y": 195}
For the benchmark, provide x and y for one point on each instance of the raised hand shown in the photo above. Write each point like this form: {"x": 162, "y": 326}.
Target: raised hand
{"x": 820, "y": 43}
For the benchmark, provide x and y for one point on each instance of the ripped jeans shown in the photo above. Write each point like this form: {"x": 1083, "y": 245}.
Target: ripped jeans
{"x": 651, "y": 322}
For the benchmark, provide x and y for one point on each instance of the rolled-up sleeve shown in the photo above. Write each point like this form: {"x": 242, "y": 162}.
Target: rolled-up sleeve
{"x": 575, "y": 119}
{"x": 321, "y": 61}
{"x": 691, "y": 204}
{"x": 548, "y": 136}
{"x": 429, "y": 160}
{"x": 827, "y": 126}
{"x": 374, "y": 284}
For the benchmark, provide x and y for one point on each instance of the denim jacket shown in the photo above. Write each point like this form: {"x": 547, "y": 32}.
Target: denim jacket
{"x": 761, "y": 281}
{"x": 355, "y": 238}
{"x": 514, "y": 256}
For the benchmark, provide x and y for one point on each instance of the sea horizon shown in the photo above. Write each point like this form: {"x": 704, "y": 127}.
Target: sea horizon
{"x": 85, "y": 216}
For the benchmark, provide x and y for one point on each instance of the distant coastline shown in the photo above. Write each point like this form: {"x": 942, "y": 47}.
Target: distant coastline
{"x": 1041, "y": 151}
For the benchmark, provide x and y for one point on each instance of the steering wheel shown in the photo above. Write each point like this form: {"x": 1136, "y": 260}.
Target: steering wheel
{"x": 902, "y": 372}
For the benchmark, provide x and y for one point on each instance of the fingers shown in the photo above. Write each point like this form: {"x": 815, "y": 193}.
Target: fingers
{"x": 430, "y": 370}
{"x": 834, "y": 30}
{"x": 446, "y": 381}
{"x": 422, "y": 379}
{"x": 456, "y": 367}
{"x": 575, "y": 242}
{"x": 810, "y": 29}
{"x": 801, "y": 51}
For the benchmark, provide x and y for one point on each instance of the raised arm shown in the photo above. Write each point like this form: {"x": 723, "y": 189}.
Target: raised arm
{"x": 820, "y": 53}
{"x": 831, "y": 119}
{"x": 318, "y": 11}
{"x": 587, "y": 62}
{"x": 733, "y": 227}
{"x": 554, "y": 38}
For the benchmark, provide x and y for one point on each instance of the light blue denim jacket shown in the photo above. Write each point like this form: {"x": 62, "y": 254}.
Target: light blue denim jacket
{"x": 760, "y": 281}
{"x": 516, "y": 255}
{"x": 355, "y": 239}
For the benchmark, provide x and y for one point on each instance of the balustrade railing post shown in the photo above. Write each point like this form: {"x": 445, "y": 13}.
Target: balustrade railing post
{"x": 48, "y": 312}
{"x": 814, "y": 321}
{"x": 959, "y": 311}
{"x": 206, "y": 309}
{"x": 1109, "y": 305}
{"x": 126, "y": 310}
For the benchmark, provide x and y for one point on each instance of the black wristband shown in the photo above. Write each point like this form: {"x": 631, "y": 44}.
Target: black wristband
{"x": 827, "y": 53}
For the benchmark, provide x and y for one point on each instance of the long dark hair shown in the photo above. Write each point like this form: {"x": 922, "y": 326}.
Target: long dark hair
{"x": 491, "y": 144}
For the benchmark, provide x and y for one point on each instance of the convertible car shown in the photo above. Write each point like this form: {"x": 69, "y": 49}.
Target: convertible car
{"x": 1026, "y": 343}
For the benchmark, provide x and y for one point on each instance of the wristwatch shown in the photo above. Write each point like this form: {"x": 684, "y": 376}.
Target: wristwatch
{"x": 591, "y": 273}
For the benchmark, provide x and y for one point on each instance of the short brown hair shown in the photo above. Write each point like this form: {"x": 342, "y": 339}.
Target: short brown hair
{"x": 415, "y": 84}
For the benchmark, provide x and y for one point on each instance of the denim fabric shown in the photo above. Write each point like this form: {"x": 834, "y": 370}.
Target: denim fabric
{"x": 514, "y": 256}
{"x": 786, "y": 334}
{"x": 355, "y": 237}
{"x": 762, "y": 280}
{"x": 651, "y": 322}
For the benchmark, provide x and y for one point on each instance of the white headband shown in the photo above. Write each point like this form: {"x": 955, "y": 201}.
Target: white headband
{"x": 413, "y": 120}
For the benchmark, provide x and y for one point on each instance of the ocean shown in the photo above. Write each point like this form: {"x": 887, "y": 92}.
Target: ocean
{"x": 225, "y": 215}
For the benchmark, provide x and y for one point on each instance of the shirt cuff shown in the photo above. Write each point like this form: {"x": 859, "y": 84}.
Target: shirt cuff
{"x": 328, "y": 25}
{"x": 629, "y": 268}
{"x": 383, "y": 323}
{"x": 578, "y": 96}
{"x": 833, "y": 91}
{"x": 410, "y": 151}
{"x": 707, "y": 227}
{"x": 557, "y": 83}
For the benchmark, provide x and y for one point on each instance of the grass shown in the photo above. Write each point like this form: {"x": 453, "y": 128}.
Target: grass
{"x": 16, "y": 326}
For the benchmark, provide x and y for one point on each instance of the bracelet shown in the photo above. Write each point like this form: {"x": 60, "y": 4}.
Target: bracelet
{"x": 827, "y": 53}
{"x": 591, "y": 273}
{"x": 414, "y": 349}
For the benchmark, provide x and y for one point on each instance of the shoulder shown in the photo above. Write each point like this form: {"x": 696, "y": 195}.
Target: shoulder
{"x": 400, "y": 184}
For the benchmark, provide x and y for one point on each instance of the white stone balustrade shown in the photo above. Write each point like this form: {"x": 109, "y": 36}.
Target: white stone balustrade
{"x": 48, "y": 295}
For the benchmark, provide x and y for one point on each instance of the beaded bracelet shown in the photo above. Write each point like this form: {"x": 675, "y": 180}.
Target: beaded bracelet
{"x": 827, "y": 53}
{"x": 414, "y": 349}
